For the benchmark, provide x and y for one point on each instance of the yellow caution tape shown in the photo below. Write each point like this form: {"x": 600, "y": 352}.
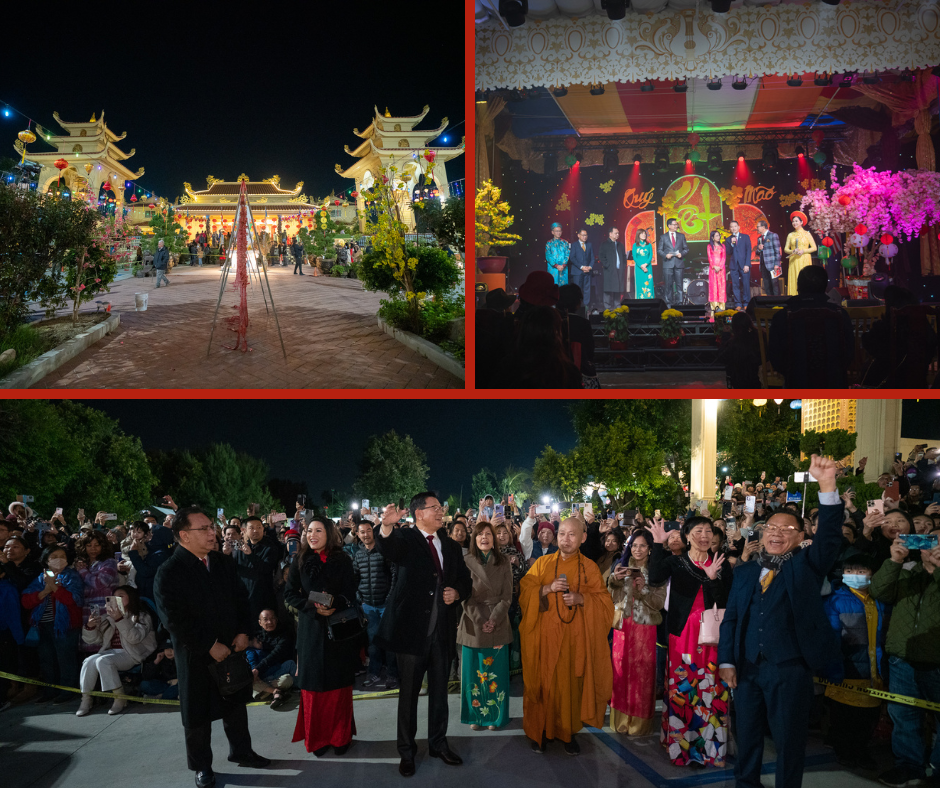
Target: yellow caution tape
{"x": 875, "y": 693}
{"x": 161, "y": 701}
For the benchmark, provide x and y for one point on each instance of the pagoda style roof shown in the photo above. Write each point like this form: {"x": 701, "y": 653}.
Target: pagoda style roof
{"x": 219, "y": 188}
{"x": 200, "y": 208}
{"x": 98, "y": 126}
{"x": 384, "y": 122}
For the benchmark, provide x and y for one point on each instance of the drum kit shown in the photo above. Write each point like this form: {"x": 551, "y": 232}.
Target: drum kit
{"x": 695, "y": 289}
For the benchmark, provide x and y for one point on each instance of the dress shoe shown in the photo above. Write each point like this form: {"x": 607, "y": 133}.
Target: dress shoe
{"x": 539, "y": 746}
{"x": 342, "y": 750}
{"x": 406, "y": 768}
{"x": 475, "y": 727}
{"x": 87, "y": 702}
{"x": 205, "y": 779}
{"x": 251, "y": 760}
{"x": 447, "y": 755}
{"x": 572, "y": 747}
{"x": 322, "y": 751}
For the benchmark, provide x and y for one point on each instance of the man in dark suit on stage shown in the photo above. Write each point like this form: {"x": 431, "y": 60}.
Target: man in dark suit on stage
{"x": 420, "y": 620}
{"x": 672, "y": 250}
{"x": 738, "y": 248}
{"x": 768, "y": 249}
{"x": 204, "y": 606}
{"x": 613, "y": 257}
{"x": 775, "y": 634}
{"x": 581, "y": 267}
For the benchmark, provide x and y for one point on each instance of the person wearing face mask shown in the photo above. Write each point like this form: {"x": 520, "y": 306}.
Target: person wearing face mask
{"x": 55, "y": 598}
{"x": 859, "y": 623}
{"x": 775, "y": 635}
{"x": 699, "y": 581}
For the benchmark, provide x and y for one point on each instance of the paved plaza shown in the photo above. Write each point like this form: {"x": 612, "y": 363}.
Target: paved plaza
{"x": 329, "y": 327}
{"x": 43, "y": 746}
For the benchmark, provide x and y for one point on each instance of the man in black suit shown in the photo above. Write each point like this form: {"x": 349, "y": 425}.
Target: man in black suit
{"x": 204, "y": 606}
{"x": 672, "y": 250}
{"x": 613, "y": 257}
{"x": 775, "y": 634}
{"x": 581, "y": 266}
{"x": 738, "y": 249}
{"x": 420, "y": 620}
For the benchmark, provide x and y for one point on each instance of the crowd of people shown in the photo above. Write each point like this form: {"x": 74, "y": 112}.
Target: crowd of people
{"x": 725, "y": 613}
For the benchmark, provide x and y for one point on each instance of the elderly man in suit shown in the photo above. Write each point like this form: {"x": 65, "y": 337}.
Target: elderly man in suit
{"x": 581, "y": 266}
{"x": 420, "y": 620}
{"x": 738, "y": 248}
{"x": 204, "y": 606}
{"x": 672, "y": 250}
{"x": 613, "y": 257}
{"x": 768, "y": 249}
{"x": 775, "y": 634}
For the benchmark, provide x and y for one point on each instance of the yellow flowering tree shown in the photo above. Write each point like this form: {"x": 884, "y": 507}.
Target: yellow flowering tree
{"x": 493, "y": 220}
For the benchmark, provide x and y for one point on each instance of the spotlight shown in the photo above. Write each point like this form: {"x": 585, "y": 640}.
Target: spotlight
{"x": 714, "y": 83}
{"x": 769, "y": 156}
{"x": 647, "y": 87}
{"x": 559, "y": 92}
{"x": 482, "y": 96}
{"x": 846, "y": 80}
{"x": 795, "y": 81}
{"x": 682, "y": 86}
{"x": 637, "y": 158}
{"x": 611, "y": 160}
{"x": 739, "y": 84}
{"x": 661, "y": 157}
{"x": 514, "y": 11}
{"x": 870, "y": 79}
{"x": 714, "y": 157}
{"x": 616, "y": 9}
{"x": 822, "y": 80}
{"x": 597, "y": 89}
{"x": 6, "y": 112}
{"x": 721, "y": 6}
{"x": 800, "y": 153}
{"x": 740, "y": 155}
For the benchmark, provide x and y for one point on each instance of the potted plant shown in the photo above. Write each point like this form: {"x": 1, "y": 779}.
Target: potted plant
{"x": 671, "y": 329}
{"x": 723, "y": 321}
{"x": 617, "y": 324}
{"x": 492, "y": 223}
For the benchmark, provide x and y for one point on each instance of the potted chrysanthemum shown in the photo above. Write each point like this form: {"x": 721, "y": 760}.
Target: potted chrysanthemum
{"x": 617, "y": 324}
{"x": 670, "y": 331}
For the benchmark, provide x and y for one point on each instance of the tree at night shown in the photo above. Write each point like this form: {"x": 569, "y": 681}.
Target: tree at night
{"x": 391, "y": 467}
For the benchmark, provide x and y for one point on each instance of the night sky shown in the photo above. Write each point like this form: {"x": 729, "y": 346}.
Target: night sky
{"x": 321, "y": 442}
{"x": 209, "y": 89}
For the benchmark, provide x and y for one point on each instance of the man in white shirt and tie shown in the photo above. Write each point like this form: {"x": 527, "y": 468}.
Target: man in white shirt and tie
{"x": 613, "y": 257}
{"x": 672, "y": 251}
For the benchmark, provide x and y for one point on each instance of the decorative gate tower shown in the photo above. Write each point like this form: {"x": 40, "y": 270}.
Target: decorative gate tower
{"x": 394, "y": 141}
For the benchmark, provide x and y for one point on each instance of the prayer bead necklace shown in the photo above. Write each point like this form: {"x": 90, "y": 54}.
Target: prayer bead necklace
{"x": 574, "y": 608}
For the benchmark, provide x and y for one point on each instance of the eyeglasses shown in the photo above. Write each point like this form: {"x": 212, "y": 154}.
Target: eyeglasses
{"x": 437, "y": 508}
{"x": 780, "y": 529}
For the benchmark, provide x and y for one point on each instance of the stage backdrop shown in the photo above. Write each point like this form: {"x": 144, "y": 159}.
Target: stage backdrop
{"x": 637, "y": 196}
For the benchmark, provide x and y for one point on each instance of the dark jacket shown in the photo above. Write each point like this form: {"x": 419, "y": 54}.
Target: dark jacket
{"x": 405, "y": 623}
{"x": 162, "y": 258}
{"x": 687, "y": 579}
{"x": 322, "y": 664}
{"x": 914, "y": 630}
{"x": 580, "y": 258}
{"x": 846, "y": 614}
{"x": 198, "y": 608}
{"x": 278, "y": 647}
{"x": 374, "y": 576}
{"x": 158, "y": 550}
{"x": 802, "y": 576}
{"x": 665, "y": 247}
{"x": 256, "y": 571}
{"x": 738, "y": 254}
{"x": 615, "y": 279}
{"x": 297, "y": 250}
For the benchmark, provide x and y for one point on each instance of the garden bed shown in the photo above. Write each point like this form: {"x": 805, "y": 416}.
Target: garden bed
{"x": 423, "y": 347}
{"x": 58, "y": 341}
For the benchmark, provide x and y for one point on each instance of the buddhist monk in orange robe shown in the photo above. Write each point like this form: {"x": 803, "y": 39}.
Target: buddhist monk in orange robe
{"x": 566, "y": 663}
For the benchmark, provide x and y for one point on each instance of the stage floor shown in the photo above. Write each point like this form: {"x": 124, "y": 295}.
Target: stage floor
{"x": 661, "y": 378}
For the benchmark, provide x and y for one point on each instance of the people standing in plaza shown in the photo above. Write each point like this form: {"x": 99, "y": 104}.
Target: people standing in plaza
{"x": 375, "y": 575}
{"x": 768, "y": 250}
{"x": 161, "y": 261}
{"x": 613, "y": 259}
{"x": 643, "y": 264}
{"x": 581, "y": 263}
{"x": 671, "y": 250}
{"x": 738, "y": 248}
{"x": 205, "y": 609}
{"x": 800, "y": 246}
{"x": 557, "y": 254}
{"x": 297, "y": 249}
{"x": 420, "y": 620}
{"x": 717, "y": 275}
{"x": 775, "y": 634}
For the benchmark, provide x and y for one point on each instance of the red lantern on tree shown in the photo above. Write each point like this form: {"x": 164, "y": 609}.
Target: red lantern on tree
{"x": 861, "y": 229}
{"x": 571, "y": 143}
{"x": 60, "y": 165}
{"x": 354, "y": 195}
{"x": 844, "y": 199}
{"x": 430, "y": 155}
{"x": 827, "y": 241}
{"x": 887, "y": 238}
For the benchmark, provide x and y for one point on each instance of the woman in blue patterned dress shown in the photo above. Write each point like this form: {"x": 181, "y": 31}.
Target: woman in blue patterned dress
{"x": 643, "y": 264}
{"x": 557, "y": 252}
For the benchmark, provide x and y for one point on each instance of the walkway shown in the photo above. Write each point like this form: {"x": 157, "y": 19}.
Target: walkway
{"x": 329, "y": 328}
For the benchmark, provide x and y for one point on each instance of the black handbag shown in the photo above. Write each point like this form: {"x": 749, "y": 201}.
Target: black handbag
{"x": 347, "y": 623}
{"x": 231, "y": 674}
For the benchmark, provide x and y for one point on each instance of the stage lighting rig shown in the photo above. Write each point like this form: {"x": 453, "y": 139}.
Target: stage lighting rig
{"x": 514, "y": 11}
{"x": 597, "y": 89}
{"x": 661, "y": 157}
{"x": 739, "y": 84}
{"x": 616, "y": 9}
{"x": 647, "y": 87}
{"x": 795, "y": 81}
{"x": 681, "y": 86}
{"x": 714, "y": 83}
{"x": 637, "y": 158}
{"x": 769, "y": 156}
{"x": 721, "y": 6}
{"x": 847, "y": 79}
{"x": 559, "y": 92}
{"x": 611, "y": 160}
{"x": 714, "y": 157}
{"x": 822, "y": 80}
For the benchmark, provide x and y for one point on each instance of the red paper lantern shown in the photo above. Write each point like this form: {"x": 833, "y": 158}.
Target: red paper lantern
{"x": 693, "y": 140}
{"x": 354, "y": 195}
{"x": 571, "y": 143}
{"x": 827, "y": 241}
{"x": 336, "y": 202}
{"x": 861, "y": 229}
{"x": 844, "y": 199}
{"x": 107, "y": 186}
{"x": 133, "y": 198}
{"x": 818, "y": 136}
{"x": 430, "y": 155}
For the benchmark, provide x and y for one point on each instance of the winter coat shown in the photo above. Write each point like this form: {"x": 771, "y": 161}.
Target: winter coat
{"x": 914, "y": 631}
{"x": 200, "y": 608}
{"x": 256, "y": 571}
{"x": 686, "y": 582}
{"x": 645, "y": 607}
{"x": 846, "y": 613}
{"x": 161, "y": 259}
{"x": 489, "y": 601}
{"x": 67, "y": 598}
{"x": 145, "y": 567}
{"x": 374, "y": 575}
{"x": 137, "y": 636}
{"x": 322, "y": 664}
{"x": 278, "y": 647}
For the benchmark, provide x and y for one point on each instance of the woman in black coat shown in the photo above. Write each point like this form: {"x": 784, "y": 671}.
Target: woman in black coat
{"x": 325, "y": 668}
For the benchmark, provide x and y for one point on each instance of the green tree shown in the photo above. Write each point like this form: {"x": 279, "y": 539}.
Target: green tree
{"x": 516, "y": 482}
{"x": 446, "y": 222}
{"x": 836, "y": 444}
{"x": 484, "y": 483}
{"x": 166, "y": 227}
{"x": 392, "y": 467}
{"x": 752, "y": 439}
{"x": 318, "y": 242}
{"x": 558, "y": 475}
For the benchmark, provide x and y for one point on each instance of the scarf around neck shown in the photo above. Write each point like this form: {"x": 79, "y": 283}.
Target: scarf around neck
{"x": 775, "y": 562}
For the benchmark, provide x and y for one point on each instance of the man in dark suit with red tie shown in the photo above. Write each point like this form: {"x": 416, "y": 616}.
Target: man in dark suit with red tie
{"x": 420, "y": 620}
{"x": 738, "y": 248}
{"x": 672, "y": 251}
